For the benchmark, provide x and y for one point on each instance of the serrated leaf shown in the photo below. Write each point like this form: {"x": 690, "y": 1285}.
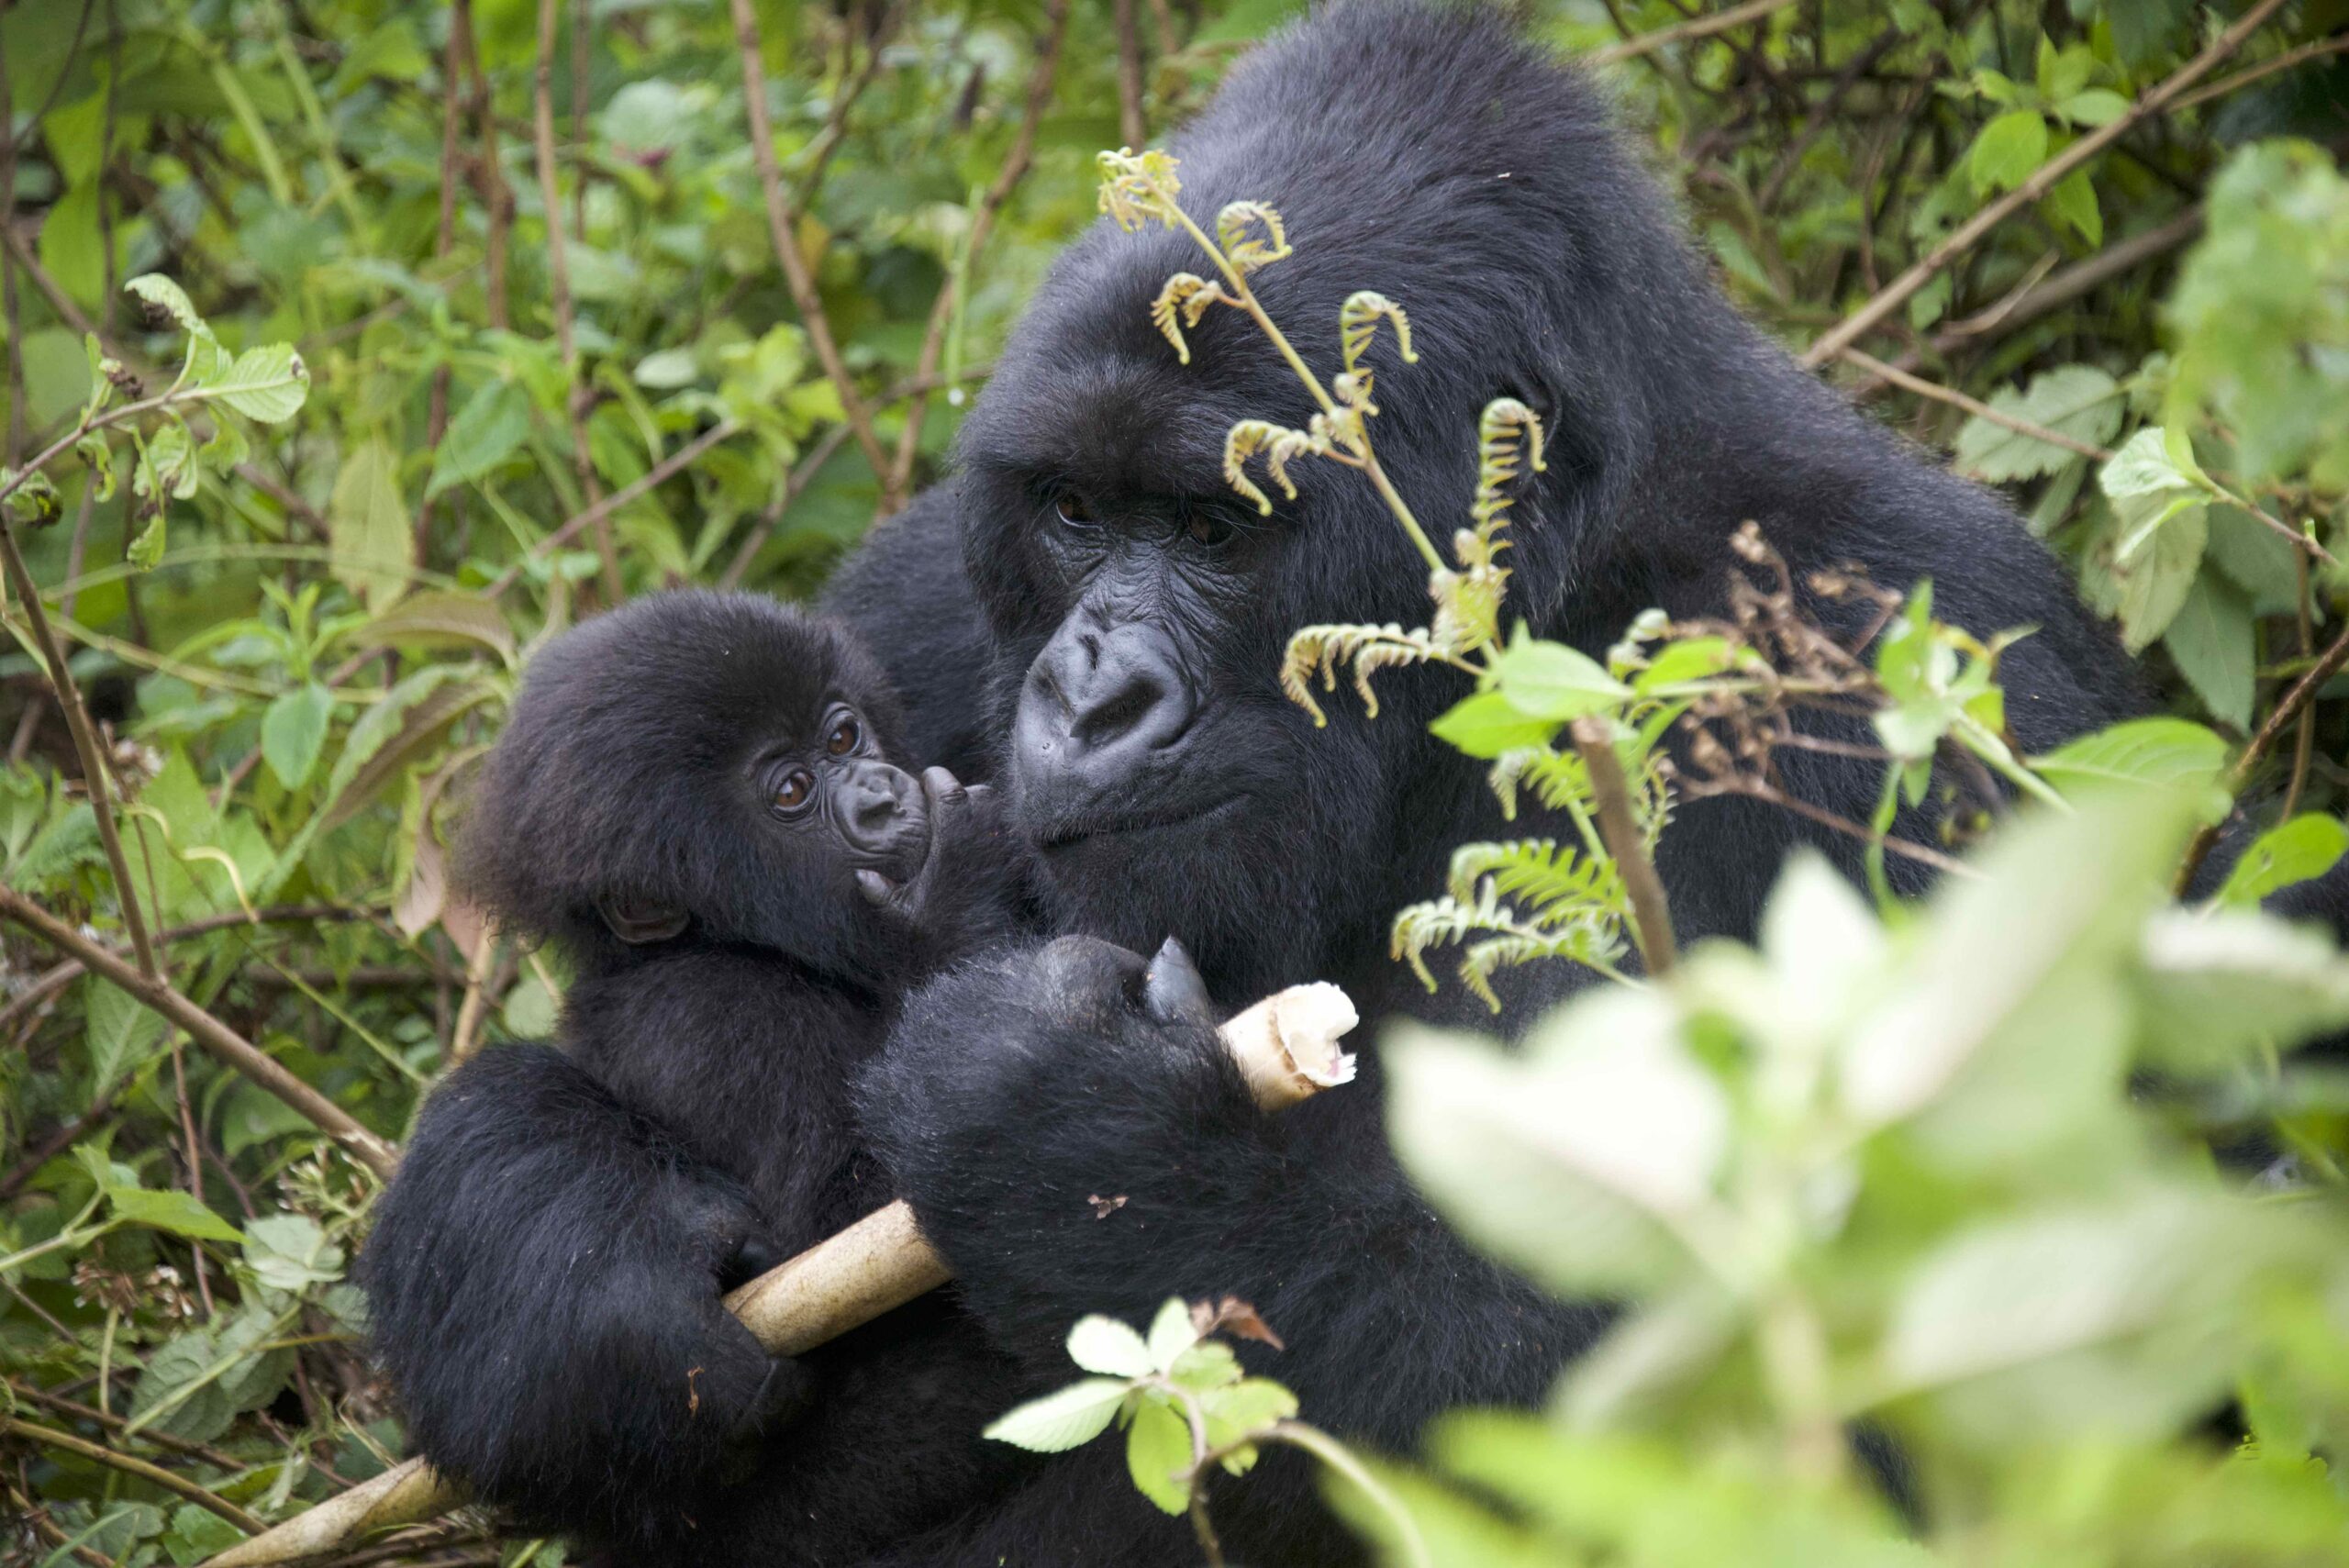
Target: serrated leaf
{"x": 290, "y": 1251}
{"x": 1170, "y": 1333}
{"x": 1109, "y": 1347}
{"x": 2211, "y": 641}
{"x": 1158, "y": 1448}
{"x": 2221, "y": 983}
{"x": 269, "y": 383}
{"x": 2079, "y": 401}
{"x": 490, "y": 427}
{"x": 1488, "y": 724}
{"x": 1207, "y": 1364}
{"x": 1551, "y": 681}
{"x": 159, "y": 290}
{"x": 2164, "y": 753}
{"x": 368, "y": 526}
{"x": 178, "y": 1212}
{"x": 2299, "y": 850}
{"x": 2007, "y": 152}
{"x": 1067, "y": 1419}
{"x": 293, "y": 732}
{"x": 146, "y": 551}
{"x": 122, "y": 1034}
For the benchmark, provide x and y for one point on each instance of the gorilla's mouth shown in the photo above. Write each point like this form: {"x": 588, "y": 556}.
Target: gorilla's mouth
{"x": 1065, "y": 832}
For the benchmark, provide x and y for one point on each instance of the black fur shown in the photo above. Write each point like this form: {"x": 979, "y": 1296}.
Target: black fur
{"x": 591, "y": 1203}
{"x": 1170, "y": 787}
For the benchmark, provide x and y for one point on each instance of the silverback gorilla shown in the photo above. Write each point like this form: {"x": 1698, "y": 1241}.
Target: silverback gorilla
{"x": 1130, "y": 615}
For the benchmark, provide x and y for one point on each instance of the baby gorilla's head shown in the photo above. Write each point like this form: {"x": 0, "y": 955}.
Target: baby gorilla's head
{"x": 712, "y": 766}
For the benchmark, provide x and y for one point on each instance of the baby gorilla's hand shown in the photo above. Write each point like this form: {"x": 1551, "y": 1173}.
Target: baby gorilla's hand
{"x": 961, "y": 891}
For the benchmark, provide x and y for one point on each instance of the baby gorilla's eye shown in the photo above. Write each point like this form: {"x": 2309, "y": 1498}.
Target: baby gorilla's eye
{"x": 795, "y": 790}
{"x": 845, "y": 736}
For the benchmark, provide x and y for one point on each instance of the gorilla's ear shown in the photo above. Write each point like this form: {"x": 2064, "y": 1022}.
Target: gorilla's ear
{"x": 638, "y": 920}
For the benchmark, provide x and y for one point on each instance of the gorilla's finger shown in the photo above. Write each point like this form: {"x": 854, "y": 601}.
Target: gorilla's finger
{"x": 752, "y": 1256}
{"x": 788, "y": 1388}
{"x": 1172, "y": 989}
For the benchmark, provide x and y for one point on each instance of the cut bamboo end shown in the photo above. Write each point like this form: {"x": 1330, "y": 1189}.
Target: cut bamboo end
{"x": 410, "y": 1492}
{"x": 1288, "y": 1043}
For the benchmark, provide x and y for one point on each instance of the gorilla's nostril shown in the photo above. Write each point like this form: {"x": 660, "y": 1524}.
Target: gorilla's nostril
{"x": 1113, "y": 718}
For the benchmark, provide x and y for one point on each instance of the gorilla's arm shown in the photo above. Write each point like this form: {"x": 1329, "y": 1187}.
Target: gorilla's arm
{"x": 544, "y": 1277}
{"x": 1016, "y": 1091}
{"x": 904, "y": 592}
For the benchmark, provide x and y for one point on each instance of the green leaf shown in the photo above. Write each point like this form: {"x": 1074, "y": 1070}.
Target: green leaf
{"x": 2072, "y": 201}
{"x": 2299, "y": 850}
{"x": 1551, "y": 681}
{"x": 198, "y": 1533}
{"x": 2166, "y": 753}
{"x": 438, "y": 619}
{"x": 1106, "y": 1345}
{"x": 490, "y": 427}
{"x": 2078, "y": 401}
{"x": 1488, "y": 724}
{"x": 268, "y": 383}
{"x": 2096, "y": 107}
{"x": 2223, "y": 984}
{"x": 1158, "y": 1448}
{"x": 159, "y": 290}
{"x": 146, "y": 551}
{"x": 293, "y": 732}
{"x": 2213, "y": 643}
{"x": 2007, "y": 152}
{"x": 1170, "y": 1333}
{"x": 290, "y": 1251}
{"x": 368, "y": 526}
{"x": 1067, "y": 1419}
{"x": 178, "y": 1212}
{"x": 668, "y": 369}
{"x": 121, "y": 1034}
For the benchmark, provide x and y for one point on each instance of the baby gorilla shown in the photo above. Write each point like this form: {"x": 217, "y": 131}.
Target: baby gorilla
{"x": 698, "y": 803}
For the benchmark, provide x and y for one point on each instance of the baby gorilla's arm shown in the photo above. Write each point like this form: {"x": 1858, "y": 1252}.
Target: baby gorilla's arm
{"x": 544, "y": 1275}
{"x": 966, "y": 895}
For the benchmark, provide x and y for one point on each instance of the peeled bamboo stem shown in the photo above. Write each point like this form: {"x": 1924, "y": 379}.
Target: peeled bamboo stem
{"x": 1287, "y": 1045}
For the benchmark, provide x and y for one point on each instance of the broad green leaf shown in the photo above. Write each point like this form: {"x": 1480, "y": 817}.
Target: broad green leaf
{"x": 1109, "y": 1347}
{"x": 437, "y": 619}
{"x": 198, "y": 1533}
{"x": 268, "y": 383}
{"x": 290, "y": 1251}
{"x": 122, "y": 1034}
{"x": 72, "y": 245}
{"x": 529, "y": 1009}
{"x": 1074, "y": 1415}
{"x": 2006, "y": 152}
{"x": 171, "y": 1211}
{"x": 1170, "y": 1333}
{"x": 368, "y": 524}
{"x": 2144, "y": 467}
{"x": 2299, "y": 850}
{"x": 1158, "y": 1448}
{"x": 1551, "y": 681}
{"x": 2096, "y": 107}
{"x": 2079, "y": 401}
{"x": 160, "y": 291}
{"x": 668, "y": 369}
{"x": 2213, "y": 643}
{"x": 2072, "y": 200}
{"x": 293, "y": 732}
{"x": 2221, "y": 983}
{"x": 490, "y": 427}
{"x": 1210, "y": 1363}
{"x": 1488, "y": 724}
{"x": 2168, "y": 753}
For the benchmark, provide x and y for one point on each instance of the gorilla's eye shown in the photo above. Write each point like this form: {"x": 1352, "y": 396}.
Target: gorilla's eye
{"x": 1208, "y": 529}
{"x": 844, "y": 736}
{"x": 794, "y": 791}
{"x": 1075, "y": 511}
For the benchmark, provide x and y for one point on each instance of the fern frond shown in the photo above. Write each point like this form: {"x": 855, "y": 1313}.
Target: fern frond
{"x": 1559, "y": 883}
{"x": 1580, "y": 944}
{"x": 1559, "y": 779}
{"x": 1506, "y": 432}
{"x": 1358, "y": 321}
{"x": 1137, "y": 188}
{"x": 1321, "y": 649}
{"x": 1587, "y": 935}
{"x": 1241, "y": 248}
{"x": 1278, "y": 443}
{"x": 1188, "y": 293}
{"x": 1467, "y": 605}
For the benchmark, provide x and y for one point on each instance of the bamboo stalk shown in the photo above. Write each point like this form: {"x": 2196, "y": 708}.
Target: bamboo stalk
{"x": 1286, "y": 1046}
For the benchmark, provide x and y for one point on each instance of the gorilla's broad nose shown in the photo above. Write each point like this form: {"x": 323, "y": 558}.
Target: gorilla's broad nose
{"x": 1098, "y": 702}
{"x": 873, "y": 797}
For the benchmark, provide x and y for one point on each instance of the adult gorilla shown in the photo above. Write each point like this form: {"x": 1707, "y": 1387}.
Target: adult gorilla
{"x": 1134, "y": 616}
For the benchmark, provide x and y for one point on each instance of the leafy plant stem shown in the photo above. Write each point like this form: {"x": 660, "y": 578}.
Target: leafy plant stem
{"x": 2302, "y": 694}
{"x": 154, "y": 1474}
{"x": 1651, "y": 912}
{"x": 85, "y": 745}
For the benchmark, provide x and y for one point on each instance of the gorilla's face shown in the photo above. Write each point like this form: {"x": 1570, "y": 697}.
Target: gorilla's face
{"x": 1141, "y": 609}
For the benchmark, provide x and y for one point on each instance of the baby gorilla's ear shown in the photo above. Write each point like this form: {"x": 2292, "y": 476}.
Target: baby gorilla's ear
{"x": 639, "y": 921}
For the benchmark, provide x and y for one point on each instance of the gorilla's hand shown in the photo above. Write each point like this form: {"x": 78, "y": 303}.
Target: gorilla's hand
{"x": 964, "y": 896}
{"x": 1017, "y": 1091}
{"x": 545, "y": 1274}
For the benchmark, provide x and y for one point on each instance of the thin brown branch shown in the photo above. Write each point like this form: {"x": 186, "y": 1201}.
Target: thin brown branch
{"x": 1687, "y": 32}
{"x": 153, "y": 1474}
{"x": 941, "y": 311}
{"x": 74, "y": 1411}
{"x": 796, "y": 272}
{"x": 1893, "y": 295}
{"x": 2062, "y": 287}
{"x": 2266, "y": 68}
{"x": 94, "y": 774}
{"x": 1651, "y": 911}
{"x": 597, "y": 514}
{"x": 578, "y": 398}
{"x": 755, "y": 540}
{"x": 230, "y": 1048}
{"x": 1975, "y": 406}
{"x": 1131, "y": 125}
{"x": 2302, "y": 694}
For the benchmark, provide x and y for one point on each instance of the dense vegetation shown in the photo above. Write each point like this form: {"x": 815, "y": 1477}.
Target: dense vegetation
{"x": 353, "y": 348}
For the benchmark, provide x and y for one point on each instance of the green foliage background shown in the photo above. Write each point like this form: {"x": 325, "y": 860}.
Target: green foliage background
{"x": 296, "y": 650}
